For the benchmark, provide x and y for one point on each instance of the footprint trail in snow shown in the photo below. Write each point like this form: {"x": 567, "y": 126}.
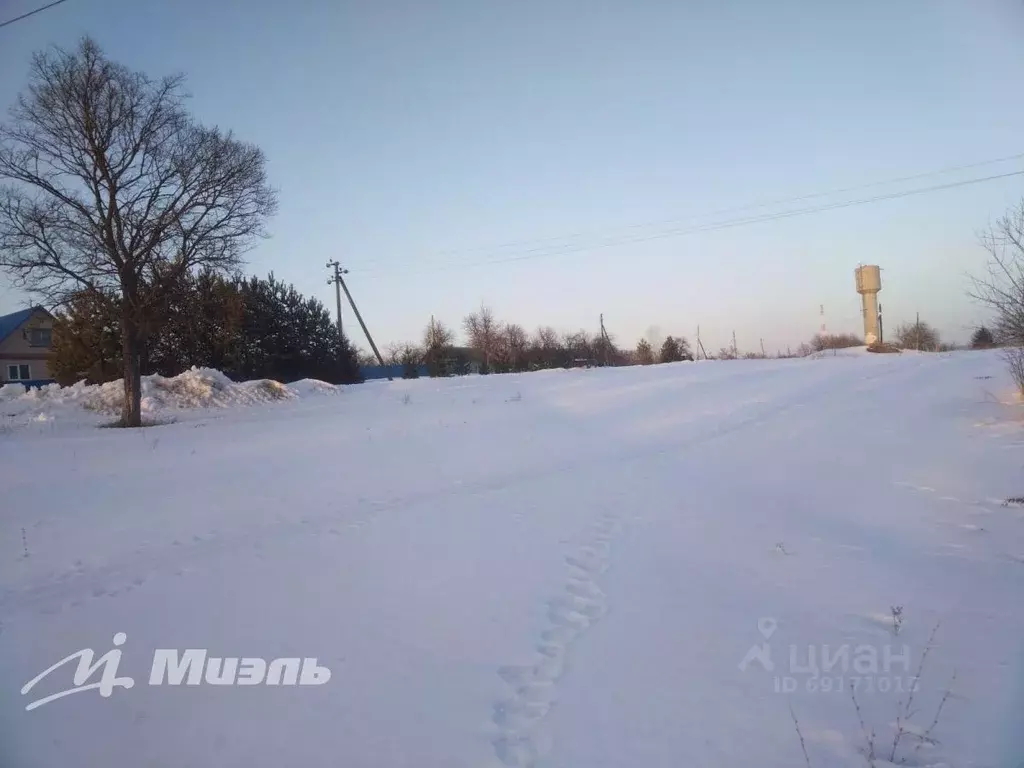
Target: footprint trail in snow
{"x": 519, "y": 717}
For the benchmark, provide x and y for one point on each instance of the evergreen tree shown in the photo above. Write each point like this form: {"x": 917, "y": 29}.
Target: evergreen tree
{"x": 200, "y": 325}
{"x": 644, "y": 353}
{"x": 671, "y": 351}
{"x": 982, "y": 339}
{"x": 247, "y": 328}
{"x": 86, "y": 341}
{"x": 287, "y": 337}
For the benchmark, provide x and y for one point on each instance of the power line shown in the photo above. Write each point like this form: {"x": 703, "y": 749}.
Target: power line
{"x": 732, "y": 209}
{"x": 536, "y": 253}
{"x": 31, "y": 13}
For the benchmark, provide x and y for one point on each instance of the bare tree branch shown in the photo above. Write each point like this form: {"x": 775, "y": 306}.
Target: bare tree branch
{"x": 1001, "y": 288}
{"x": 482, "y": 330}
{"x": 108, "y": 185}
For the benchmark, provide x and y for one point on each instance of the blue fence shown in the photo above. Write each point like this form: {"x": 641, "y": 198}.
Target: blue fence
{"x": 31, "y": 383}
{"x": 370, "y": 372}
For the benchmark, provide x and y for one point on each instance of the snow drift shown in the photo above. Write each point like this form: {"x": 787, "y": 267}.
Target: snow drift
{"x": 195, "y": 388}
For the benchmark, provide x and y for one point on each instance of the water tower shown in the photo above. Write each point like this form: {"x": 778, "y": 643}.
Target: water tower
{"x": 869, "y": 283}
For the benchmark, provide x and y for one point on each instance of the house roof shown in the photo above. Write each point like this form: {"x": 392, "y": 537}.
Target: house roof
{"x": 12, "y": 322}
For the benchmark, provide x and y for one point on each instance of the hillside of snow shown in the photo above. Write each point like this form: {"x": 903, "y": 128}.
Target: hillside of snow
{"x": 677, "y": 565}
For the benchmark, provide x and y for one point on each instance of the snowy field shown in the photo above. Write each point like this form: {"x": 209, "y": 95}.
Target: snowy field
{"x": 563, "y": 569}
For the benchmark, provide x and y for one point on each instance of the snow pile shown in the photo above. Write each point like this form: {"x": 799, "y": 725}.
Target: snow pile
{"x": 11, "y": 391}
{"x": 305, "y": 387}
{"x": 195, "y": 388}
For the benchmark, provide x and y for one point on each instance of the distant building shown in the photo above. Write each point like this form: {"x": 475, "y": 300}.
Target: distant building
{"x": 25, "y": 347}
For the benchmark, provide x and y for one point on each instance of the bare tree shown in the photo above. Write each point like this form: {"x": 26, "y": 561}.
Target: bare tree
{"x": 833, "y": 341}
{"x": 684, "y": 348}
{"x": 545, "y": 351}
{"x": 484, "y": 334}
{"x": 1001, "y": 288}
{"x": 437, "y": 343}
{"x": 514, "y": 345}
{"x": 109, "y": 186}
{"x": 577, "y": 347}
{"x": 546, "y": 338}
{"x": 917, "y": 335}
{"x": 437, "y": 335}
{"x": 405, "y": 354}
{"x": 366, "y": 359}
{"x": 401, "y": 352}
{"x": 1014, "y": 357}
{"x": 604, "y": 350}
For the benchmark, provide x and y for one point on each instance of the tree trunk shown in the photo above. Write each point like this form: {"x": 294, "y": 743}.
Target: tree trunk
{"x": 131, "y": 411}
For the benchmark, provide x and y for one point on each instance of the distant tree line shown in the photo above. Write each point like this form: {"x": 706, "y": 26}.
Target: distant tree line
{"x": 918, "y": 335}
{"x": 494, "y": 346}
{"x": 247, "y": 327}
{"x": 250, "y": 327}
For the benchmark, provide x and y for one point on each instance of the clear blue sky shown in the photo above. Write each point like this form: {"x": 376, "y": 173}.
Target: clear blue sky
{"x": 409, "y": 139}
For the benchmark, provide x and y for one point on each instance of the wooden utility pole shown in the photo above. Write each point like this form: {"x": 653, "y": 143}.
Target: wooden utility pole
{"x": 340, "y": 281}
{"x": 606, "y": 342}
{"x": 336, "y": 280}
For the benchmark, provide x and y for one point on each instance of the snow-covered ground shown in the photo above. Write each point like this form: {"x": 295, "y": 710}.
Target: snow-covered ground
{"x": 562, "y": 569}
